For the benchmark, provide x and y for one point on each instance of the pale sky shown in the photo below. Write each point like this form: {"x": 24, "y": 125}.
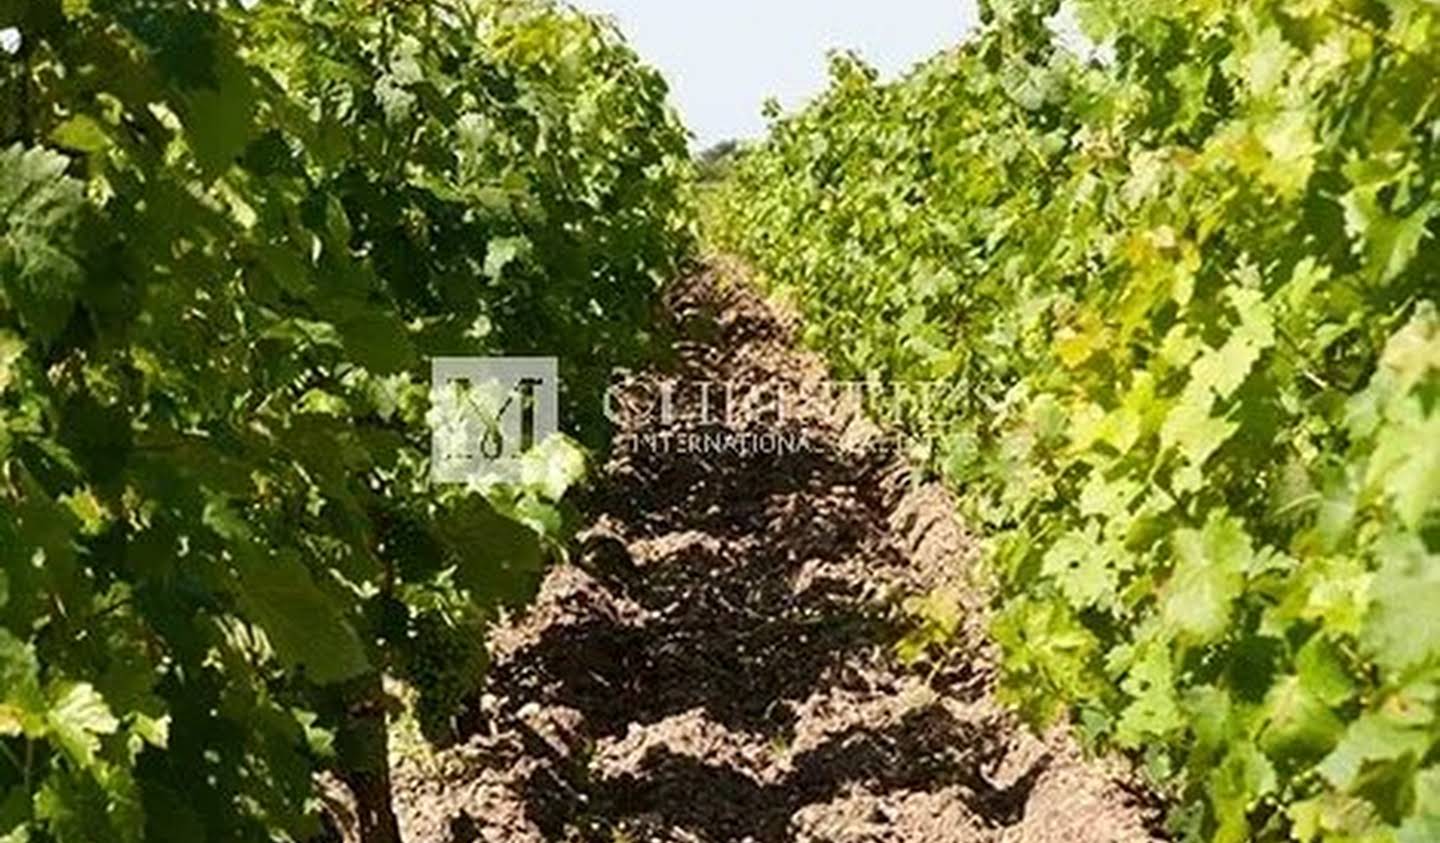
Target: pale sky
{"x": 724, "y": 57}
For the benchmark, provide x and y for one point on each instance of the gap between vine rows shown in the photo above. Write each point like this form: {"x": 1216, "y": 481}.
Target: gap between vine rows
{"x": 719, "y": 664}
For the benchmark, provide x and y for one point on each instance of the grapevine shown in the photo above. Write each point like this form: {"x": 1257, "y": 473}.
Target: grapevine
{"x": 231, "y": 234}
{"x": 1184, "y": 285}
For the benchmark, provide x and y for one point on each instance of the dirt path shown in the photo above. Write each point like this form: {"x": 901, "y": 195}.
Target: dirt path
{"x": 719, "y": 665}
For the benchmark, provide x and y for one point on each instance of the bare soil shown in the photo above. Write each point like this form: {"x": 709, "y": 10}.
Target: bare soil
{"x": 718, "y": 664}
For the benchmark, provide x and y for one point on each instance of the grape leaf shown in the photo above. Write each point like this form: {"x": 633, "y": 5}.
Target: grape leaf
{"x": 1322, "y": 672}
{"x": 1082, "y": 567}
{"x": 1422, "y": 829}
{"x": 21, "y": 701}
{"x": 1375, "y": 736}
{"x": 1406, "y": 464}
{"x": 40, "y": 206}
{"x": 552, "y": 467}
{"x": 79, "y": 808}
{"x": 1299, "y": 723}
{"x": 1402, "y": 630}
{"x": 1192, "y": 429}
{"x": 1236, "y": 785}
{"x": 502, "y": 252}
{"x": 379, "y": 342}
{"x": 219, "y": 116}
{"x": 1209, "y": 576}
{"x": 81, "y": 133}
{"x": 1154, "y": 710}
{"x": 498, "y": 559}
{"x": 77, "y": 717}
{"x": 304, "y": 625}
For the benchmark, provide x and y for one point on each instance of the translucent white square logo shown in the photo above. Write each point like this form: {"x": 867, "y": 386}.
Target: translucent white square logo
{"x": 486, "y": 412}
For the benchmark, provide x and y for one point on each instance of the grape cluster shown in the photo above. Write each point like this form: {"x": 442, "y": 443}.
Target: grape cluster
{"x": 407, "y": 543}
{"x": 444, "y": 661}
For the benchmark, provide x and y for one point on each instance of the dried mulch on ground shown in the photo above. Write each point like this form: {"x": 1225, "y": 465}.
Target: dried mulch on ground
{"x": 719, "y": 663}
